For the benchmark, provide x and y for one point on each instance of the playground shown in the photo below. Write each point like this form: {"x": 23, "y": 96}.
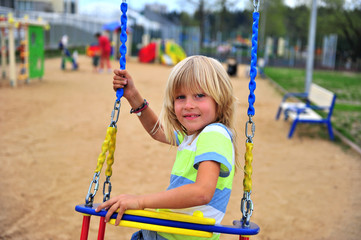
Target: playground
{"x": 52, "y": 131}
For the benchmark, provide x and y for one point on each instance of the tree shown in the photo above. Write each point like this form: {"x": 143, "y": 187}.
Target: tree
{"x": 200, "y": 15}
{"x": 275, "y": 24}
{"x": 345, "y": 22}
{"x": 297, "y": 23}
{"x": 225, "y": 18}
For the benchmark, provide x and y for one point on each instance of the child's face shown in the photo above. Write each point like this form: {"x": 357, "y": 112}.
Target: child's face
{"x": 194, "y": 110}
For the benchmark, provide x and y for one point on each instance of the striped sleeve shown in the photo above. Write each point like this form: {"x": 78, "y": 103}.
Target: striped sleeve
{"x": 215, "y": 143}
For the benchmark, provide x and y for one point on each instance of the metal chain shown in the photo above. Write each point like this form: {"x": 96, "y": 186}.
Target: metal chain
{"x": 116, "y": 110}
{"x": 246, "y": 208}
{"x": 253, "y": 129}
{"x": 110, "y": 138}
{"x": 115, "y": 113}
{"x": 106, "y": 195}
{"x": 256, "y": 5}
{"x": 90, "y": 196}
{"x": 246, "y": 202}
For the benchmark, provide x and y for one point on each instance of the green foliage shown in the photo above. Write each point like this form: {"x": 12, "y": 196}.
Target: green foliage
{"x": 333, "y": 19}
{"x": 276, "y": 16}
{"x": 187, "y": 20}
{"x": 278, "y": 20}
{"x": 297, "y": 22}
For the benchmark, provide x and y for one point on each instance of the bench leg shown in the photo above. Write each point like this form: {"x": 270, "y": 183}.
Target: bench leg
{"x": 278, "y": 113}
{"x": 293, "y": 127}
{"x": 330, "y": 131}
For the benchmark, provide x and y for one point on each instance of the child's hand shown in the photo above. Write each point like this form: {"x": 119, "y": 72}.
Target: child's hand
{"x": 122, "y": 79}
{"x": 120, "y": 203}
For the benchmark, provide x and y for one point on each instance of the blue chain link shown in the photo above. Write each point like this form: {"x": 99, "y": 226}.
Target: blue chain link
{"x": 253, "y": 71}
{"x": 123, "y": 47}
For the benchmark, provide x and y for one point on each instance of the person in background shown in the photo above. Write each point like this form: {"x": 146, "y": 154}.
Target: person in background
{"x": 66, "y": 55}
{"x": 105, "y": 50}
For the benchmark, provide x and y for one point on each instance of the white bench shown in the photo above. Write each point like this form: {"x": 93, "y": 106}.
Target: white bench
{"x": 300, "y": 111}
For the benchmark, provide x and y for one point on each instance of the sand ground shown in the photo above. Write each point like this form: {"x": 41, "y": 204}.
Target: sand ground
{"x": 51, "y": 133}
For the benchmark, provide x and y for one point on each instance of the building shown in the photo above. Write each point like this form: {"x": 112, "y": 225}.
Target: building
{"x": 57, "y": 6}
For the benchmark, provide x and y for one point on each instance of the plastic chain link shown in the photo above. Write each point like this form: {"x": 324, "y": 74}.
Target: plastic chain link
{"x": 247, "y": 181}
{"x": 108, "y": 144}
{"x": 253, "y": 71}
{"x": 123, "y": 48}
{"x": 111, "y": 150}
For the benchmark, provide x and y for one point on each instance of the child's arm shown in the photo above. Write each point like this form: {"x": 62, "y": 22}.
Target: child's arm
{"x": 190, "y": 195}
{"x": 148, "y": 118}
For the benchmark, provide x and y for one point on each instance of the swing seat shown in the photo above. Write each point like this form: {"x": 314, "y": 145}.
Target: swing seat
{"x": 170, "y": 222}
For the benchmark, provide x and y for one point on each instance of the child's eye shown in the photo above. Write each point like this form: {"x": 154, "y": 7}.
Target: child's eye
{"x": 180, "y": 97}
{"x": 200, "y": 95}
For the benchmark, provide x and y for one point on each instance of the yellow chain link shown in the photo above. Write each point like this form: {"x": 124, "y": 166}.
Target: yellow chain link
{"x": 248, "y": 157}
{"x": 110, "y": 158}
{"x": 109, "y": 143}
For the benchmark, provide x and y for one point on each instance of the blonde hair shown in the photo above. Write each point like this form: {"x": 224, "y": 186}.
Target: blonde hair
{"x": 197, "y": 73}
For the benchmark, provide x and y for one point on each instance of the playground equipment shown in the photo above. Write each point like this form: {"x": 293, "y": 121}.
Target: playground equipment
{"x": 32, "y": 48}
{"x": 166, "y": 52}
{"x": 92, "y": 50}
{"x": 170, "y": 222}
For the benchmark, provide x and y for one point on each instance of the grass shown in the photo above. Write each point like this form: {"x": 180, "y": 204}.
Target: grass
{"x": 347, "y": 86}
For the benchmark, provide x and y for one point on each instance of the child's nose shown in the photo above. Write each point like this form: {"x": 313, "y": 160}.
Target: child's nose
{"x": 189, "y": 103}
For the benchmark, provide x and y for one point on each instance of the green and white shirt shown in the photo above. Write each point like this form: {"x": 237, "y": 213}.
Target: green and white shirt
{"x": 214, "y": 143}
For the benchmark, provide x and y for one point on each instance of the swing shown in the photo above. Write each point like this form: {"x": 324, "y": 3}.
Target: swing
{"x": 169, "y": 222}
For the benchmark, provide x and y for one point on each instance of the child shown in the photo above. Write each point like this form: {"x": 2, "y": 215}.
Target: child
{"x": 105, "y": 51}
{"x": 197, "y": 116}
{"x": 95, "y": 59}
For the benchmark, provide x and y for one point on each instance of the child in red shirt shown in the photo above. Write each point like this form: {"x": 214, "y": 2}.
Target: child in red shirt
{"x": 105, "y": 50}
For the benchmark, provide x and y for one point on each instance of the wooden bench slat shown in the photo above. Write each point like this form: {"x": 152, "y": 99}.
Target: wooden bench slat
{"x": 320, "y": 96}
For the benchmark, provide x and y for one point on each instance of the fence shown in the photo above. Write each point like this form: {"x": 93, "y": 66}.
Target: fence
{"x": 81, "y": 29}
